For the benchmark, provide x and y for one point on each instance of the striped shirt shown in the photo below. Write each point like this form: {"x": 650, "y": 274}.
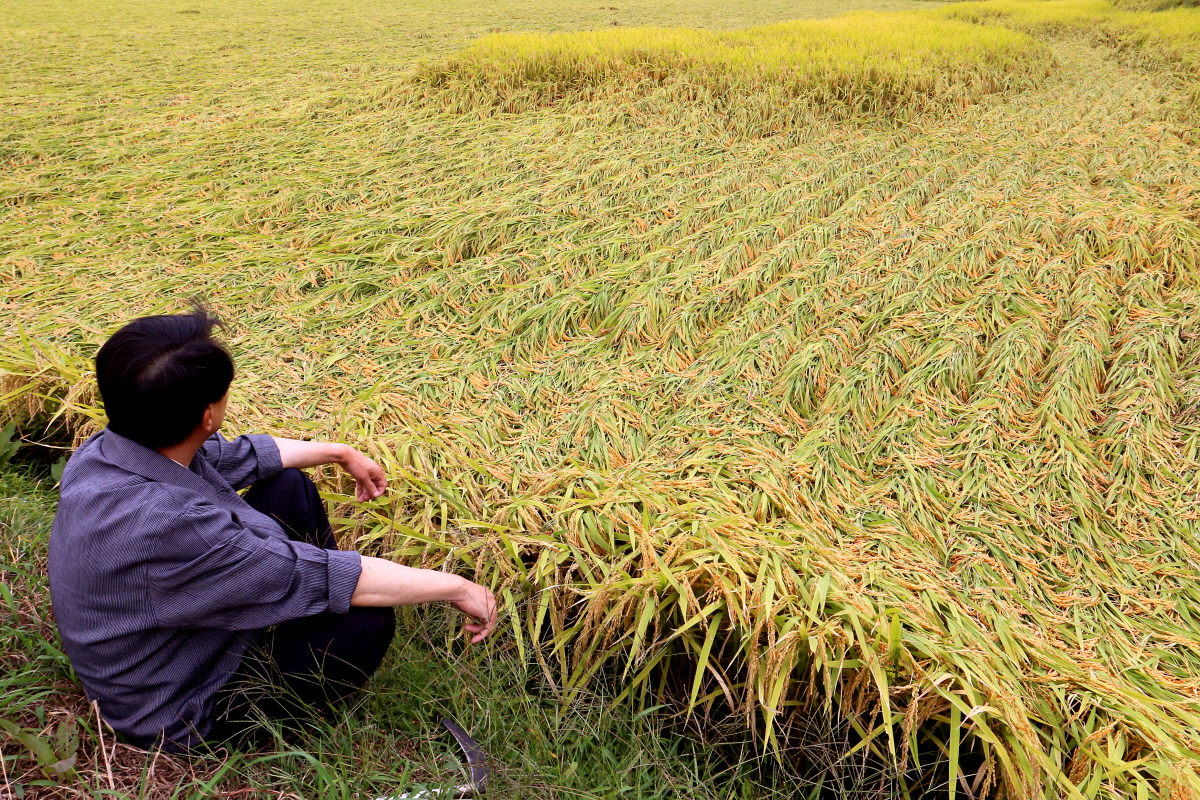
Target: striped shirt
{"x": 158, "y": 571}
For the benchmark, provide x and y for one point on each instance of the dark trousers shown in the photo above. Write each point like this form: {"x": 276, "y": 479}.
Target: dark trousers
{"x": 308, "y": 664}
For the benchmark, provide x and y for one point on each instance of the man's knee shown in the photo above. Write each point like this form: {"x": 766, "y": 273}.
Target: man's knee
{"x": 288, "y": 490}
{"x": 293, "y": 500}
{"x": 374, "y": 624}
{"x": 290, "y": 480}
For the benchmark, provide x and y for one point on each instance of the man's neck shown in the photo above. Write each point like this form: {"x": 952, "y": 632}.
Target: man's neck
{"x": 185, "y": 451}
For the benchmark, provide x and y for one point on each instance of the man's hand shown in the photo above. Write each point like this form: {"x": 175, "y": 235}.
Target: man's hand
{"x": 478, "y": 602}
{"x": 368, "y": 477}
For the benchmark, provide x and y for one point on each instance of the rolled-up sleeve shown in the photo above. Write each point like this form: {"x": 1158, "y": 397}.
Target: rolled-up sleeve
{"x": 212, "y": 572}
{"x": 243, "y": 460}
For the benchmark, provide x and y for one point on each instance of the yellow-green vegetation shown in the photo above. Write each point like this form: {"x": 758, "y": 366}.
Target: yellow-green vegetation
{"x": 861, "y": 62}
{"x": 895, "y": 418}
{"x": 1156, "y": 33}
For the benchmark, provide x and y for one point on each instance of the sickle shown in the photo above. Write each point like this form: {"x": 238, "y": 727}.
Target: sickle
{"x": 476, "y": 758}
{"x": 476, "y": 764}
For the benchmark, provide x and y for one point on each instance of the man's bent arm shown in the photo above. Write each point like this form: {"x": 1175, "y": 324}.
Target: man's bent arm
{"x": 368, "y": 477}
{"x": 384, "y": 583}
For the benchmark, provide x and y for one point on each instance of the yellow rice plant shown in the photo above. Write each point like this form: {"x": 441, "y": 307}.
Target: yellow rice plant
{"x": 1166, "y": 34}
{"x": 40, "y": 381}
{"x": 862, "y": 62}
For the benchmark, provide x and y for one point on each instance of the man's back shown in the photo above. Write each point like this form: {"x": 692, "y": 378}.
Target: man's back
{"x": 156, "y": 568}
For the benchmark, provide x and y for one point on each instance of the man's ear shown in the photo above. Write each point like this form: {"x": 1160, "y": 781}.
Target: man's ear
{"x": 206, "y": 421}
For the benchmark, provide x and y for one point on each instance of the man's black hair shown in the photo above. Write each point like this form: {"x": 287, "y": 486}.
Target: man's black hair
{"x": 157, "y": 375}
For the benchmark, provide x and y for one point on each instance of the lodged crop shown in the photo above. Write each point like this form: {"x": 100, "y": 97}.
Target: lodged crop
{"x": 895, "y": 423}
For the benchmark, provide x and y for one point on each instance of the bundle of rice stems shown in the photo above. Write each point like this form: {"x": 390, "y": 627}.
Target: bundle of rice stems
{"x": 898, "y": 420}
{"x": 41, "y": 381}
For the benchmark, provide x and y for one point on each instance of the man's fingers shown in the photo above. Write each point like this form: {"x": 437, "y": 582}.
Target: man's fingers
{"x": 369, "y": 487}
{"x": 481, "y": 632}
{"x": 368, "y": 477}
{"x": 480, "y": 604}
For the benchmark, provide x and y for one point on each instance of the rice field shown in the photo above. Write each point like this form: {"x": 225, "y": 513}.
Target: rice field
{"x": 857, "y": 63}
{"x": 766, "y": 403}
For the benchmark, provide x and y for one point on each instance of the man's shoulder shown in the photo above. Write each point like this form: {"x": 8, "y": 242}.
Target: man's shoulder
{"x": 88, "y": 464}
{"x": 110, "y": 498}
{"x": 94, "y": 468}
{"x": 98, "y": 489}
{"x": 89, "y": 472}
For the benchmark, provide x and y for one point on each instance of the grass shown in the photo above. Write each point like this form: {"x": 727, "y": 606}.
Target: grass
{"x": 867, "y": 433}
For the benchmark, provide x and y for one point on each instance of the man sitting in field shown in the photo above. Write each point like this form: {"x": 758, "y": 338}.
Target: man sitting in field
{"x": 188, "y": 610}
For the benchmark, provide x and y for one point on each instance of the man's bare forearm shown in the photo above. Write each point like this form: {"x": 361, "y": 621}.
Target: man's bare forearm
{"x": 384, "y": 583}
{"x": 295, "y": 453}
{"x": 368, "y": 477}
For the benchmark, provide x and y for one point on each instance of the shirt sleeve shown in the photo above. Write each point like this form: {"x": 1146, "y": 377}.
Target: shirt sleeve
{"x": 243, "y": 460}
{"x": 210, "y": 571}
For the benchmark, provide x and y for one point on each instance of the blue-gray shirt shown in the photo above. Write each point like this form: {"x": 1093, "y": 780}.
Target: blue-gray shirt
{"x": 156, "y": 568}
